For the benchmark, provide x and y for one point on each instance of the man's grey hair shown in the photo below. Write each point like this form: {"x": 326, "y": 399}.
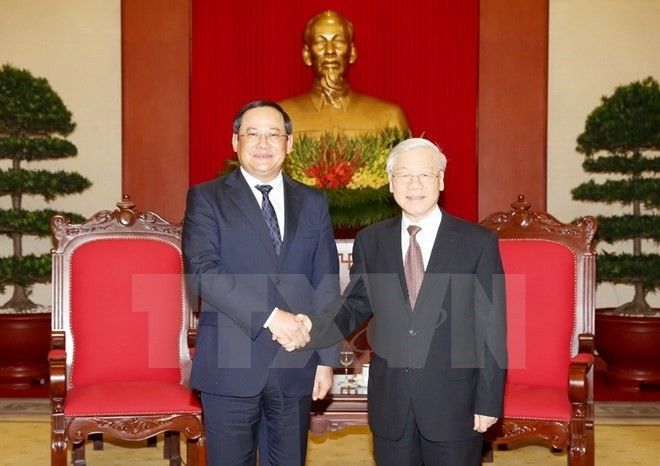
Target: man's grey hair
{"x": 416, "y": 143}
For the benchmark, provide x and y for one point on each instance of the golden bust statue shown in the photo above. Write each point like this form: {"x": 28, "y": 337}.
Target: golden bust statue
{"x": 331, "y": 105}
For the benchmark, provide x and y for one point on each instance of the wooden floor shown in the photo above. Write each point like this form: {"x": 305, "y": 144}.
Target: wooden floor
{"x": 626, "y": 435}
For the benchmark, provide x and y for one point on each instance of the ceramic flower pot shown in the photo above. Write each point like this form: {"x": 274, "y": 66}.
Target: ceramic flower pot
{"x": 24, "y": 346}
{"x": 631, "y": 348}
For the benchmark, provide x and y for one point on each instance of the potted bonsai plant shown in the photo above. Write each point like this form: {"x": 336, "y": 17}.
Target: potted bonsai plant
{"x": 622, "y": 138}
{"x": 33, "y": 125}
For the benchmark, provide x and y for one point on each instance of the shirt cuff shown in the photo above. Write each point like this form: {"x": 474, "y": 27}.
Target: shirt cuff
{"x": 270, "y": 317}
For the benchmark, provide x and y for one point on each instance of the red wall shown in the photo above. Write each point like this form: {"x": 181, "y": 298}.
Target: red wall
{"x": 422, "y": 55}
{"x": 473, "y": 77}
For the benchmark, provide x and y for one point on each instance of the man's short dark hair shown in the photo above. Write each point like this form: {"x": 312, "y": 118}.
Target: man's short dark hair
{"x": 238, "y": 119}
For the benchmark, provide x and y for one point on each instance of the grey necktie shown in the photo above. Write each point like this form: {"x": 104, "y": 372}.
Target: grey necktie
{"x": 270, "y": 217}
{"x": 413, "y": 266}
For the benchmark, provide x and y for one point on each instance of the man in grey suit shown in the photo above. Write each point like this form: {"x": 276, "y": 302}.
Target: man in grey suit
{"x": 434, "y": 286}
{"x": 254, "y": 242}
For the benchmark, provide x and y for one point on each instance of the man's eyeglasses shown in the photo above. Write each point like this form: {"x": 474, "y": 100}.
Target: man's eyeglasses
{"x": 404, "y": 179}
{"x": 255, "y": 136}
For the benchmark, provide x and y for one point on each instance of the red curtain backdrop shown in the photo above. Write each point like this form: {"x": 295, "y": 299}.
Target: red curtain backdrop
{"x": 420, "y": 54}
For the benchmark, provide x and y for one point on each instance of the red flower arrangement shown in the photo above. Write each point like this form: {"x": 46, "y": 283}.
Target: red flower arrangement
{"x": 336, "y": 164}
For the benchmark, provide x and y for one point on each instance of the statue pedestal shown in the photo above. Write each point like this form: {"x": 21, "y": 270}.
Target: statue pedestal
{"x": 345, "y": 233}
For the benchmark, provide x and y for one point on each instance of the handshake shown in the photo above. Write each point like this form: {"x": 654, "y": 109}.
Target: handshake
{"x": 290, "y": 330}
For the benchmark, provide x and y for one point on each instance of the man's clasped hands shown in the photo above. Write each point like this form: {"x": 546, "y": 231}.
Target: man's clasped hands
{"x": 290, "y": 330}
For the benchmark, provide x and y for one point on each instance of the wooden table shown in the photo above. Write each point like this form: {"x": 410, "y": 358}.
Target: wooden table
{"x": 339, "y": 410}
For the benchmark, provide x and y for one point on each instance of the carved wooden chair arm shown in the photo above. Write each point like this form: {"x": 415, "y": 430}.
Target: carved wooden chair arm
{"x": 586, "y": 343}
{"x": 57, "y": 369}
{"x": 578, "y": 383}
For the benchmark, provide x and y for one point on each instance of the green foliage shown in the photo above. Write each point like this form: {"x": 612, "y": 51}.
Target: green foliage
{"x": 32, "y": 222}
{"x": 35, "y": 148}
{"x": 626, "y": 192}
{"x": 628, "y": 269}
{"x": 32, "y": 116}
{"x": 626, "y": 122}
{"x": 627, "y": 227}
{"x": 622, "y": 137}
{"x": 42, "y": 182}
{"x": 633, "y": 165}
{"x": 28, "y": 105}
{"x": 356, "y": 208}
{"x": 24, "y": 270}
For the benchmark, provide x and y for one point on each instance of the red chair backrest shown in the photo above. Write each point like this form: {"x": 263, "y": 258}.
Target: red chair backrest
{"x": 127, "y": 301}
{"x": 541, "y": 306}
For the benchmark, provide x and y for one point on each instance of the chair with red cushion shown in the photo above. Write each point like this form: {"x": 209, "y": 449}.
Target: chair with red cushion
{"x": 550, "y": 282}
{"x": 122, "y": 334}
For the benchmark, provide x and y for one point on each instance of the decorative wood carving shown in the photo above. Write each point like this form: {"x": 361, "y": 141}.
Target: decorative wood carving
{"x": 542, "y": 225}
{"x": 124, "y": 223}
{"x": 556, "y": 432}
{"x": 134, "y": 428}
{"x": 112, "y": 222}
{"x": 576, "y": 433}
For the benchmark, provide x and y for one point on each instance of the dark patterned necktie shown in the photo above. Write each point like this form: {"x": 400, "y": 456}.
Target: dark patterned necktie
{"x": 270, "y": 217}
{"x": 414, "y": 266}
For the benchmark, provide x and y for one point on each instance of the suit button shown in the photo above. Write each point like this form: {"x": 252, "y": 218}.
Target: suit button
{"x": 412, "y": 332}
{"x": 278, "y": 281}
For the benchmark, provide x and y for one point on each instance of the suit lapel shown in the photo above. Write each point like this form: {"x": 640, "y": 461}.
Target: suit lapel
{"x": 443, "y": 248}
{"x": 392, "y": 242}
{"x": 445, "y": 244}
{"x": 292, "y": 208}
{"x": 239, "y": 191}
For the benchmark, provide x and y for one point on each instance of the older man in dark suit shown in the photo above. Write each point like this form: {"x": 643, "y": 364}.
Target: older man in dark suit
{"x": 434, "y": 286}
{"x": 256, "y": 241}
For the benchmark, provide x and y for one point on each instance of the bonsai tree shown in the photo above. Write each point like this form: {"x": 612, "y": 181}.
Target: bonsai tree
{"x": 622, "y": 137}
{"x": 33, "y": 125}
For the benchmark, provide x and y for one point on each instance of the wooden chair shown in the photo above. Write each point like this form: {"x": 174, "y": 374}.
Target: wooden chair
{"x": 122, "y": 333}
{"x": 550, "y": 274}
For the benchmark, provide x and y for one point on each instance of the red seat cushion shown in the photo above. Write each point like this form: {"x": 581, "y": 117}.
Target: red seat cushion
{"x": 130, "y": 398}
{"x": 536, "y": 402}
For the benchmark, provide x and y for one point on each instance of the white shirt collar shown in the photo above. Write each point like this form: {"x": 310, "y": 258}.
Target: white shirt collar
{"x": 276, "y": 196}
{"x": 426, "y": 236}
{"x": 276, "y": 182}
{"x": 430, "y": 223}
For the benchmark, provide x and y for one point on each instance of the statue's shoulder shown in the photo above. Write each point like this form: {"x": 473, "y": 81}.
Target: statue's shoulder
{"x": 388, "y": 113}
{"x": 297, "y": 101}
{"x": 359, "y": 98}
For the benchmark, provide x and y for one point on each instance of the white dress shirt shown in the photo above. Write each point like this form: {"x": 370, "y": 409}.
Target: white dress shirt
{"x": 276, "y": 196}
{"x": 426, "y": 236}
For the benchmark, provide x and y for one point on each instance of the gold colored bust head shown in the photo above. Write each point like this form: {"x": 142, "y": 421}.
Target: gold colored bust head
{"x": 332, "y": 105}
{"x": 329, "y": 50}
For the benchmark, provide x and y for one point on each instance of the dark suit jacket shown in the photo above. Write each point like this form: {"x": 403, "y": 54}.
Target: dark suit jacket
{"x": 447, "y": 357}
{"x": 231, "y": 264}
